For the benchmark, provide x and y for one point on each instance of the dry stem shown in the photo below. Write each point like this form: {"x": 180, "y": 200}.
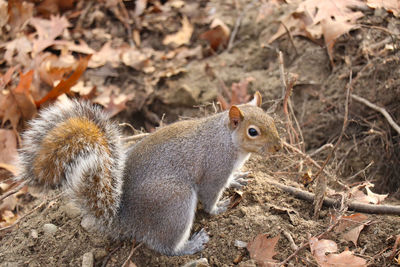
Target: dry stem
{"x": 379, "y": 109}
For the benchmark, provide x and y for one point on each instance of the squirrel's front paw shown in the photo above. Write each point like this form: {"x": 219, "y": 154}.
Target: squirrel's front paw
{"x": 239, "y": 179}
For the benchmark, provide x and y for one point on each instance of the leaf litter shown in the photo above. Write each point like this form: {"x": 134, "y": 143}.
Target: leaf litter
{"x": 51, "y": 42}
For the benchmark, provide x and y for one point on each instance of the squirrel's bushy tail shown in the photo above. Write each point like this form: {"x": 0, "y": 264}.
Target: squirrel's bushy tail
{"x": 73, "y": 144}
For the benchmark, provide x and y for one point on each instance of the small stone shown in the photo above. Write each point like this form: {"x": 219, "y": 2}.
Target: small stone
{"x": 88, "y": 259}
{"x": 87, "y": 224}
{"x": 71, "y": 210}
{"x": 249, "y": 263}
{"x": 50, "y": 228}
{"x": 203, "y": 262}
{"x": 34, "y": 234}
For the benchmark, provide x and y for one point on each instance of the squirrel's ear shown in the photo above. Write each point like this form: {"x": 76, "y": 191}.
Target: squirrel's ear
{"x": 235, "y": 116}
{"x": 257, "y": 100}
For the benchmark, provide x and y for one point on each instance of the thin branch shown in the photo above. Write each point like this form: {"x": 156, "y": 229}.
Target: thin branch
{"x": 125, "y": 264}
{"x": 30, "y": 212}
{"x": 13, "y": 191}
{"x": 330, "y": 202}
{"x": 379, "y": 109}
{"x": 237, "y": 25}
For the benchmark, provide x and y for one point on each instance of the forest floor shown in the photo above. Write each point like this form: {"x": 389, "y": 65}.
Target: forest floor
{"x": 185, "y": 82}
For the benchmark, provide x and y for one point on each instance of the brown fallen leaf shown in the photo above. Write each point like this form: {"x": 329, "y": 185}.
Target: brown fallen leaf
{"x": 19, "y": 12}
{"x": 17, "y": 103}
{"x": 350, "y": 221}
{"x": 6, "y": 78}
{"x": 53, "y": 7}
{"x": 8, "y": 149}
{"x": 319, "y": 248}
{"x": 3, "y": 13}
{"x": 7, "y": 218}
{"x": 23, "y": 97}
{"x": 18, "y": 51}
{"x": 314, "y": 18}
{"x": 217, "y": 36}
{"x": 262, "y": 249}
{"x": 392, "y": 6}
{"x": 65, "y": 85}
{"x": 53, "y": 68}
{"x": 106, "y": 54}
{"x": 353, "y": 234}
{"x": 47, "y": 32}
{"x": 182, "y": 36}
{"x": 357, "y": 194}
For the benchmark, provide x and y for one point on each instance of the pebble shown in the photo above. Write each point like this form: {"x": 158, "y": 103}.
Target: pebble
{"x": 71, "y": 210}
{"x": 249, "y": 263}
{"x": 50, "y": 228}
{"x": 34, "y": 234}
{"x": 202, "y": 262}
{"x": 88, "y": 259}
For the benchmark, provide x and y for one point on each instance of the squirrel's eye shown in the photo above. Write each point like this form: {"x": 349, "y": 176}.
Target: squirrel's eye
{"x": 253, "y": 132}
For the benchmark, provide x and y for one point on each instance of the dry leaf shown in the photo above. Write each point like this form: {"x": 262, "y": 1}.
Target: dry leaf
{"x": 19, "y": 12}
{"x": 3, "y": 13}
{"x": 47, "y": 31}
{"x": 217, "y": 36}
{"x": 375, "y": 198}
{"x": 7, "y": 218}
{"x": 353, "y": 234}
{"x": 8, "y": 147}
{"x": 315, "y": 18}
{"x": 319, "y": 248}
{"x": 262, "y": 249}
{"x": 53, "y": 68}
{"x": 18, "y": 50}
{"x": 392, "y": 6}
{"x": 350, "y": 221}
{"x": 23, "y": 97}
{"x": 107, "y": 54}
{"x": 53, "y": 7}
{"x": 182, "y": 36}
{"x": 132, "y": 57}
{"x": 345, "y": 259}
{"x": 6, "y": 78}
{"x": 17, "y": 103}
{"x": 370, "y": 197}
{"x": 65, "y": 85}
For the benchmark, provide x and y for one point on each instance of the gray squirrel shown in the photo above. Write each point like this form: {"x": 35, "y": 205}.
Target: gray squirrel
{"x": 148, "y": 191}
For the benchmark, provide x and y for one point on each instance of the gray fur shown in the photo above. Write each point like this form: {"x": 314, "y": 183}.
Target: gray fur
{"x": 160, "y": 179}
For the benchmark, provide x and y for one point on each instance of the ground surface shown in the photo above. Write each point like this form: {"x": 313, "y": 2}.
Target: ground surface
{"x": 318, "y": 101}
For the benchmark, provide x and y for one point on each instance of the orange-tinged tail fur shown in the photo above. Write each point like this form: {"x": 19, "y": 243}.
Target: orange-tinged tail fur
{"x": 74, "y": 145}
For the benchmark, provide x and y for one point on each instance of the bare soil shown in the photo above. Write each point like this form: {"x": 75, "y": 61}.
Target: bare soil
{"x": 318, "y": 100}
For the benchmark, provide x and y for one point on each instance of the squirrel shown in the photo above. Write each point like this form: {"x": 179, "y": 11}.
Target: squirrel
{"x": 149, "y": 190}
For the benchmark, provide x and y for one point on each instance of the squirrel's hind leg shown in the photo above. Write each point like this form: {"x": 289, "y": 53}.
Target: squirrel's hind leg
{"x": 171, "y": 214}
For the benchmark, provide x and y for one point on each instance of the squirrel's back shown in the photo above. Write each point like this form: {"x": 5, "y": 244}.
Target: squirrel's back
{"x": 74, "y": 144}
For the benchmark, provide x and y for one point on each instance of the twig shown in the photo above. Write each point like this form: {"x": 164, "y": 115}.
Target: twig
{"x": 287, "y": 87}
{"x": 360, "y": 171}
{"x": 321, "y": 148}
{"x": 13, "y": 191}
{"x": 125, "y": 264}
{"x": 330, "y": 202}
{"x": 134, "y": 137}
{"x": 379, "y": 109}
{"x": 290, "y": 37}
{"x": 30, "y": 212}
{"x": 291, "y": 241}
{"x": 305, "y": 156}
{"x": 321, "y": 180}
{"x": 110, "y": 254}
{"x": 237, "y": 24}
{"x": 304, "y": 245}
